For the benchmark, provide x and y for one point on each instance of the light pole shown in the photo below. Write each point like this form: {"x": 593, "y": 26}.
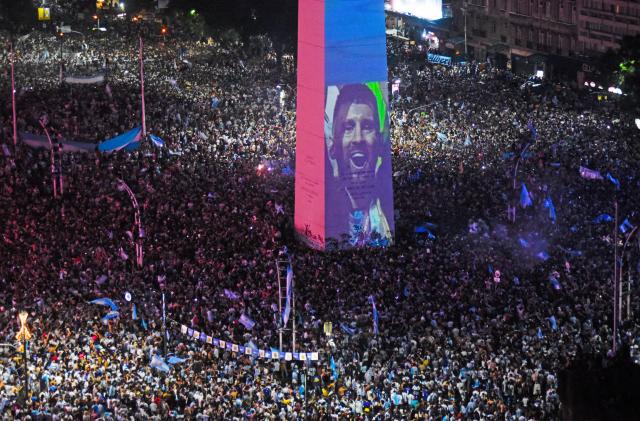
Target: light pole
{"x": 52, "y": 157}
{"x": 464, "y": 12}
{"x": 24, "y": 335}
{"x": 628, "y": 294}
{"x": 616, "y": 289}
{"x": 13, "y": 101}
{"x": 122, "y": 186}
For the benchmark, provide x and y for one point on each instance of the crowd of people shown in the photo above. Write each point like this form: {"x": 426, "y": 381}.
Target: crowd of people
{"x": 478, "y": 313}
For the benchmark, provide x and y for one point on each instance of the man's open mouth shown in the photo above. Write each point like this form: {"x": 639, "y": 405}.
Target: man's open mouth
{"x": 359, "y": 160}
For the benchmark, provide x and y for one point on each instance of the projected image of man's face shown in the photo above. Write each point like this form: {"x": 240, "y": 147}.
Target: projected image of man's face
{"x": 357, "y": 149}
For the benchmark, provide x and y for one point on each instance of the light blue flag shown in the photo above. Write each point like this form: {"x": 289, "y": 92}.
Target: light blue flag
{"x": 375, "y": 315}
{"x": 467, "y": 141}
{"x": 614, "y": 180}
{"x": 143, "y": 324}
{"x": 105, "y": 302}
{"x": 231, "y": 295}
{"x": 540, "y": 336}
{"x": 543, "y": 255}
{"x": 603, "y": 218}
{"x": 525, "y": 197}
{"x": 334, "y": 370}
{"x": 287, "y": 306}
{"x": 157, "y": 142}
{"x": 246, "y": 321}
{"x": 548, "y": 203}
{"x": 176, "y": 360}
{"x": 554, "y": 323}
{"x": 626, "y": 226}
{"x": 158, "y": 363}
{"x": 128, "y": 141}
{"x": 110, "y": 316}
{"x": 134, "y": 313}
{"x": 441, "y": 137}
{"x": 347, "y": 329}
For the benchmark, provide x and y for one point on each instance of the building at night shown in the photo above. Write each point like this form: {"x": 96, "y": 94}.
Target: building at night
{"x": 559, "y": 37}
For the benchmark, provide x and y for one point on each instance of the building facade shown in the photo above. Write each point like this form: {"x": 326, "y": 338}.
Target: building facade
{"x": 555, "y": 36}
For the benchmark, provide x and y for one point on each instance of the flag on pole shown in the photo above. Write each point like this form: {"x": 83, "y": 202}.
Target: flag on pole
{"x": 287, "y": 306}
{"x": 590, "y": 174}
{"x": 334, "y": 370}
{"x": 157, "y": 142}
{"x": 603, "y": 218}
{"x": 525, "y": 197}
{"x": 548, "y": 203}
{"x": 246, "y": 321}
{"x": 231, "y": 295}
{"x": 105, "y": 302}
{"x": 626, "y": 226}
{"x": 110, "y": 316}
{"x": 347, "y": 329}
{"x": 375, "y": 315}
{"x": 158, "y": 363}
{"x": 613, "y": 180}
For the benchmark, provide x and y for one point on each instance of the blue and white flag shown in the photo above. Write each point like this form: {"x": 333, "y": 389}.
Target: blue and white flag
{"x": 554, "y": 323}
{"x": 375, "y": 315}
{"x": 157, "y": 142}
{"x": 626, "y": 226}
{"x": 524, "y": 243}
{"x": 134, "y": 313}
{"x": 590, "y": 174}
{"x": 347, "y": 329}
{"x": 441, "y": 137}
{"x": 246, "y": 321}
{"x": 603, "y": 218}
{"x": 128, "y": 141}
{"x": 525, "y": 197}
{"x": 176, "y": 360}
{"x": 548, "y": 203}
{"x": 110, "y": 316}
{"x": 158, "y": 363}
{"x": 555, "y": 283}
{"x": 287, "y": 305}
{"x": 613, "y": 180}
{"x": 540, "y": 336}
{"x": 105, "y": 302}
{"x": 230, "y": 294}
{"x": 543, "y": 255}
{"x": 334, "y": 370}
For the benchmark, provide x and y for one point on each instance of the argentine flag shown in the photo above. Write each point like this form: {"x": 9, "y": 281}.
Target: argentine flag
{"x": 525, "y": 197}
{"x": 157, "y": 142}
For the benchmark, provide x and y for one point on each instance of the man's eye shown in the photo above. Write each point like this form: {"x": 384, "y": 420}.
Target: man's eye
{"x": 367, "y": 125}
{"x": 349, "y": 126}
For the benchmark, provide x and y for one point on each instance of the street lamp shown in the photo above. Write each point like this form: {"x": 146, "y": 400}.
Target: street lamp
{"x": 122, "y": 186}
{"x": 24, "y": 335}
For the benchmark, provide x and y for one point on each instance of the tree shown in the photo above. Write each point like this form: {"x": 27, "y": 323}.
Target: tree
{"x": 621, "y": 68}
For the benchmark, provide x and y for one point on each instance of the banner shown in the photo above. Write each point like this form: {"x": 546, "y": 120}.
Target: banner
{"x": 41, "y": 142}
{"x": 84, "y": 80}
{"x": 129, "y": 141}
{"x": 271, "y": 354}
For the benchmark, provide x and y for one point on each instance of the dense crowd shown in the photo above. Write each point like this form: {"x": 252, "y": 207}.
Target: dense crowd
{"x": 476, "y": 319}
